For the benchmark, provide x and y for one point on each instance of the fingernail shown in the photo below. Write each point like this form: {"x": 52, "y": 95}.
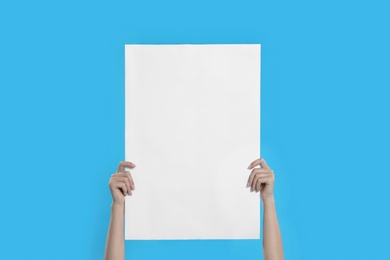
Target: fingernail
{"x": 249, "y": 166}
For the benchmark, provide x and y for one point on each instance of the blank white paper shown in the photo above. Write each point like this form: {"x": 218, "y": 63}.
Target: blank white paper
{"x": 192, "y": 127}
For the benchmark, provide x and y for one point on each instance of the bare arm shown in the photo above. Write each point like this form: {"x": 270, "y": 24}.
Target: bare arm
{"x": 272, "y": 238}
{"x": 115, "y": 246}
{"x": 121, "y": 183}
{"x": 262, "y": 180}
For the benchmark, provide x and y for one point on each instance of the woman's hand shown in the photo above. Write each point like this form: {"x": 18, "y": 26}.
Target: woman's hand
{"x": 121, "y": 183}
{"x": 261, "y": 179}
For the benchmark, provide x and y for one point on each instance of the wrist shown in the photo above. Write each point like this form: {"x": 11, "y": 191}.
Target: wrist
{"x": 269, "y": 201}
{"x": 117, "y": 205}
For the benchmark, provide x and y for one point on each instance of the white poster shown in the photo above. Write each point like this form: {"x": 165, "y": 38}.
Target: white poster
{"x": 192, "y": 127}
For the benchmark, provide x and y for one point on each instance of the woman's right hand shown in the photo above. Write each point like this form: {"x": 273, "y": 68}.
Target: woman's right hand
{"x": 121, "y": 183}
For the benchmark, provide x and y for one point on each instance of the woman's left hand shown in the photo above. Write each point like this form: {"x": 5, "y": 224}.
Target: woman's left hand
{"x": 261, "y": 179}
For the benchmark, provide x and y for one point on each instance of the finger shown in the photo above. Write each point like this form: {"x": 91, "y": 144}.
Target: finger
{"x": 250, "y": 179}
{"x": 120, "y": 174}
{"x": 260, "y": 162}
{"x": 117, "y": 185}
{"x": 123, "y": 187}
{"x": 262, "y": 180}
{"x": 126, "y": 181}
{"x": 126, "y": 174}
{"x": 132, "y": 186}
{"x": 257, "y": 176}
{"x": 124, "y": 164}
{"x": 252, "y": 175}
{"x": 128, "y": 184}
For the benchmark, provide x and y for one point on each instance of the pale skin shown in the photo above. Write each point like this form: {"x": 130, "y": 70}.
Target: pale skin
{"x": 261, "y": 179}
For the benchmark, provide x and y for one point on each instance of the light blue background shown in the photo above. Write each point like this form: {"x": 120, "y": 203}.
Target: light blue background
{"x": 325, "y": 121}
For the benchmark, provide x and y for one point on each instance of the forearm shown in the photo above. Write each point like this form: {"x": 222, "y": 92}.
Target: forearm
{"x": 272, "y": 239}
{"x": 115, "y": 245}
